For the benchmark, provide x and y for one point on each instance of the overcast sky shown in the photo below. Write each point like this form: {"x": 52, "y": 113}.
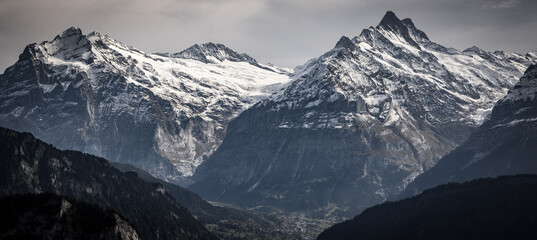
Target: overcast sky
{"x": 283, "y": 32}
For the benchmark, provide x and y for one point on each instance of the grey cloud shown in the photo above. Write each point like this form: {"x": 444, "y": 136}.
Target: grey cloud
{"x": 283, "y": 32}
{"x": 500, "y": 4}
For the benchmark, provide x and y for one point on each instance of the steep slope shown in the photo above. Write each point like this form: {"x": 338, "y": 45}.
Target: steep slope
{"x": 30, "y": 166}
{"x": 504, "y": 145}
{"x": 49, "y": 216}
{"x": 88, "y": 93}
{"x": 500, "y": 208}
{"x": 357, "y": 124}
{"x": 225, "y": 222}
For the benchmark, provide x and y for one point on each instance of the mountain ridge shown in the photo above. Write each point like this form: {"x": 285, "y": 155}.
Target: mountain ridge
{"x": 503, "y": 145}
{"x": 488, "y": 208}
{"x": 201, "y": 52}
{"x": 30, "y": 216}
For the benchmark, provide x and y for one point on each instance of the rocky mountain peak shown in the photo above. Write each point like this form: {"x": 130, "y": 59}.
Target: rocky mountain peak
{"x": 70, "y": 44}
{"x": 209, "y": 52}
{"x": 70, "y": 32}
{"x": 344, "y": 42}
{"x": 393, "y": 28}
{"x": 390, "y": 20}
{"x": 474, "y": 49}
{"x": 418, "y": 34}
{"x": 520, "y": 99}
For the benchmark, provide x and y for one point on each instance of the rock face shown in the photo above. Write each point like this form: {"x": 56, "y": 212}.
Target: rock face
{"x": 357, "y": 124}
{"x": 500, "y": 208}
{"x": 504, "y": 145}
{"x": 30, "y": 166}
{"x": 49, "y": 216}
{"x": 164, "y": 113}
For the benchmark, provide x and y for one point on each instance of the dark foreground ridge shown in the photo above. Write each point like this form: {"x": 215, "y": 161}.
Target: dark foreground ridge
{"x": 29, "y": 165}
{"x": 499, "y": 208}
{"x": 49, "y": 216}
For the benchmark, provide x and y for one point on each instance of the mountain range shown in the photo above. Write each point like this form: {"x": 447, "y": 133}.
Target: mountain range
{"x": 277, "y": 153}
{"x": 357, "y": 124}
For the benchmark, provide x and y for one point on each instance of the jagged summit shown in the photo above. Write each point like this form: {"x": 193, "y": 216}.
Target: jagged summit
{"x": 72, "y": 31}
{"x": 208, "y": 52}
{"x": 473, "y": 49}
{"x": 68, "y": 45}
{"x": 344, "y": 42}
{"x": 397, "y": 49}
{"x": 415, "y": 31}
{"x": 391, "y": 24}
{"x": 390, "y": 20}
{"x": 70, "y": 37}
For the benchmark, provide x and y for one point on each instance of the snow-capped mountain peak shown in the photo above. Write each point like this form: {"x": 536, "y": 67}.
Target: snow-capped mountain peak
{"x": 70, "y": 44}
{"x": 69, "y": 35}
{"x": 392, "y": 27}
{"x": 209, "y": 52}
{"x": 396, "y": 49}
{"x": 87, "y": 92}
{"x": 391, "y": 22}
{"x": 474, "y": 49}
